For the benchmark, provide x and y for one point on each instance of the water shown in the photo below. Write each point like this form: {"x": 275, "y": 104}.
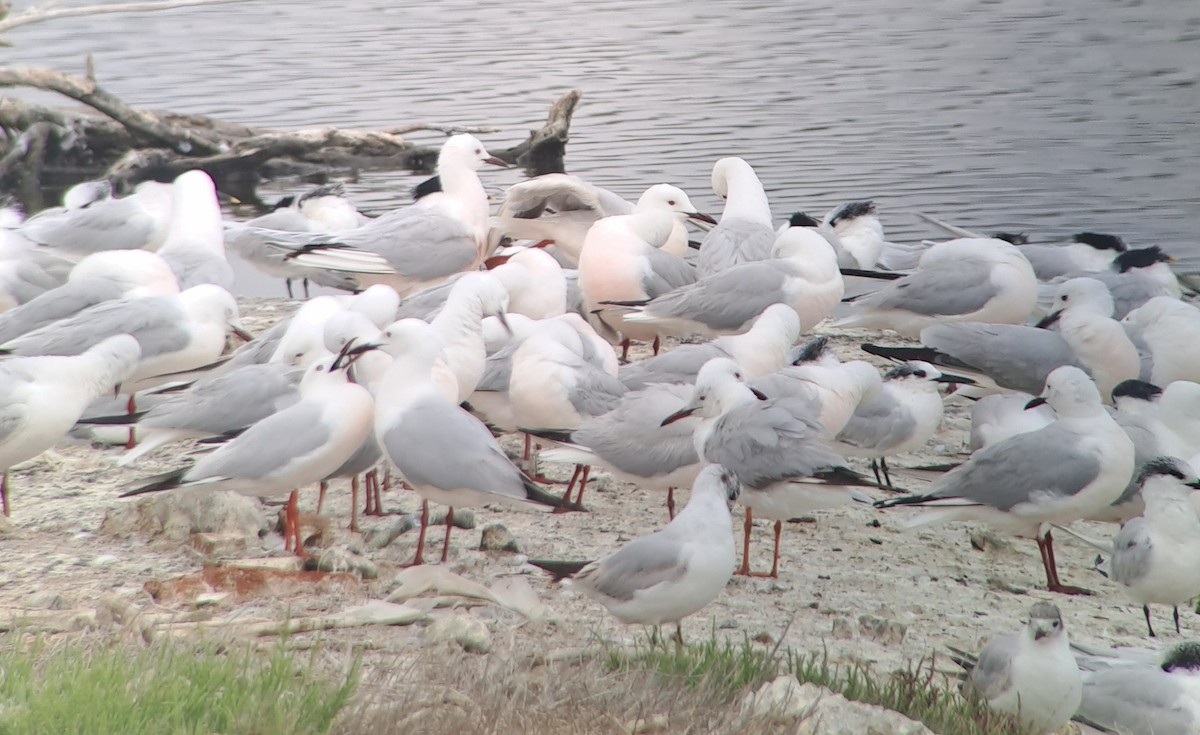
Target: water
{"x": 1050, "y": 116}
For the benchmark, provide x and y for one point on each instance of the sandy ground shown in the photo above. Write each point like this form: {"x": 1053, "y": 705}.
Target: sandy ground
{"x": 853, "y": 581}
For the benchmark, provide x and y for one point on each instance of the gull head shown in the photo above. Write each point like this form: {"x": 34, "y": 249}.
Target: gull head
{"x": 1045, "y": 623}
{"x": 726, "y": 170}
{"x": 1167, "y": 478}
{"x": 720, "y": 385}
{"x": 720, "y": 480}
{"x": 87, "y": 193}
{"x": 465, "y": 151}
{"x": 378, "y": 303}
{"x": 1070, "y": 392}
{"x": 208, "y": 303}
{"x": 406, "y": 337}
{"x": 672, "y": 198}
{"x": 1079, "y": 294}
{"x": 1130, "y": 395}
{"x": 1140, "y": 258}
{"x": 118, "y": 357}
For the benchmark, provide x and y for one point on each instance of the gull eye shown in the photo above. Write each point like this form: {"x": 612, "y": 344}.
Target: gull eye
{"x": 919, "y": 373}
{"x": 478, "y": 152}
{"x": 320, "y": 368}
{"x": 671, "y": 202}
{"x": 738, "y": 376}
{"x": 1062, "y": 298}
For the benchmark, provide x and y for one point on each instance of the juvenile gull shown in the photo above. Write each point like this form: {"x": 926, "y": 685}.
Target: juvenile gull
{"x": 669, "y": 574}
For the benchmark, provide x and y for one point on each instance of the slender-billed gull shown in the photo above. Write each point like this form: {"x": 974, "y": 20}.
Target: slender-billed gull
{"x": 746, "y": 231}
{"x": 802, "y": 272}
{"x": 444, "y": 453}
{"x": 1074, "y": 467}
{"x": 300, "y": 445}
{"x": 966, "y": 280}
{"x": 669, "y": 574}
{"x": 459, "y": 327}
{"x": 195, "y": 244}
{"x": 42, "y": 397}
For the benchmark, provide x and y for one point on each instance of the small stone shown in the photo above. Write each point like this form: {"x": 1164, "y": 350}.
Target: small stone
{"x": 342, "y": 560}
{"x": 841, "y": 628}
{"x": 469, "y": 633}
{"x": 220, "y": 544}
{"x": 378, "y": 537}
{"x": 47, "y": 600}
{"x": 784, "y": 700}
{"x": 211, "y": 599}
{"x": 6, "y": 526}
{"x": 983, "y": 539}
{"x": 763, "y": 637}
{"x": 780, "y": 701}
{"x": 496, "y": 537}
{"x": 653, "y": 723}
{"x": 888, "y": 632}
{"x": 176, "y": 516}
{"x": 104, "y": 560}
{"x": 464, "y": 518}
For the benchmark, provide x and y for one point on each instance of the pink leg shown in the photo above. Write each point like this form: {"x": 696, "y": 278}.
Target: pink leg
{"x": 418, "y": 559}
{"x": 446, "y": 541}
{"x": 671, "y": 502}
{"x": 130, "y": 408}
{"x": 321, "y": 497}
{"x": 587, "y": 468}
{"x": 354, "y": 503}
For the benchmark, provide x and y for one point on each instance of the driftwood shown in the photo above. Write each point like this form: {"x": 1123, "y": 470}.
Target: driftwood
{"x": 50, "y": 148}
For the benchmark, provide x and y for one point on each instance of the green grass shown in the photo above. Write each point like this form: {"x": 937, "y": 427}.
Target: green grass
{"x": 167, "y": 688}
{"x": 728, "y": 670}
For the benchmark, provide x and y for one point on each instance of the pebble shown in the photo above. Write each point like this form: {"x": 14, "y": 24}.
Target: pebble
{"x": 464, "y": 518}
{"x": 378, "y": 537}
{"x": 888, "y": 632}
{"x": 496, "y": 537}
{"x": 469, "y": 633}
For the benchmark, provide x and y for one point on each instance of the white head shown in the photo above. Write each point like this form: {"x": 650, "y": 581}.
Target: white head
{"x": 1167, "y": 479}
{"x": 212, "y": 304}
{"x": 465, "y": 151}
{"x": 345, "y": 326}
{"x": 1080, "y": 295}
{"x": 378, "y": 303}
{"x": 672, "y": 198}
{"x": 1045, "y": 624}
{"x": 726, "y": 170}
{"x": 1070, "y": 392}
{"x": 719, "y": 386}
{"x": 86, "y": 193}
{"x": 411, "y": 338}
{"x": 329, "y": 370}
{"x": 484, "y": 289}
{"x": 195, "y": 213}
{"x": 718, "y": 482}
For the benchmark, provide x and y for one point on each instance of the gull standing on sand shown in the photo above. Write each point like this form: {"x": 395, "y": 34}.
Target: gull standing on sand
{"x": 1031, "y": 674}
{"x": 1018, "y": 357}
{"x": 669, "y": 574}
{"x": 801, "y": 272}
{"x": 445, "y": 454}
{"x": 1156, "y": 557}
{"x": 621, "y": 262}
{"x": 300, "y": 445}
{"x": 746, "y": 230}
{"x": 419, "y": 245}
{"x": 901, "y": 416}
{"x": 1069, "y": 470}
{"x": 773, "y": 447}
{"x": 966, "y": 280}
{"x": 41, "y": 398}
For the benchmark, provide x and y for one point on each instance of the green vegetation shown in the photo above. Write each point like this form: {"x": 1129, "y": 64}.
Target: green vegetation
{"x": 166, "y": 688}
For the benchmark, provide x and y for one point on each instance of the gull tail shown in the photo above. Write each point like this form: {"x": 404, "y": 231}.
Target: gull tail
{"x": 925, "y": 354}
{"x": 634, "y": 302}
{"x": 534, "y": 493}
{"x": 551, "y": 434}
{"x": 847, "y": 477}
{"x": 877, "y": 275}
{"x": 568, "y": 454}
{"x": 559, "y": 569}
{"x": 165, "y": 481}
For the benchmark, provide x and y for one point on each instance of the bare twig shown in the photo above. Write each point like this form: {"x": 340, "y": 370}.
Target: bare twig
{"x": 443, "y": 129}
{"x": 47, "y": 11}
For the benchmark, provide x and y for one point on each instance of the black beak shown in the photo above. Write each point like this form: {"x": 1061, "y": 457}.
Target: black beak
{"x": 682, "y": 413}
{"x": 1049, "y": 319}
{"x": 1039, "y": 634}
{"x": 694, "y": 245}
{"x": 343, "y": 358}
{"x": 1034, "y": 403}
{"x": 1194, "y": 485}
{"x": 758, "y": 394}
{"x": 701, "y": 217}
{"x": 224, "y": 198}
{"x": 504, "y": 322}
{"x": 364, "y": 347}
{"x": 496, "y": 162}
{"x": 944, "y": 378}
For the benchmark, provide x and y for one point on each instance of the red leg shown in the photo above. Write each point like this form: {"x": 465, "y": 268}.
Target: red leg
{"x": 671, "y": 502}
{"x": 775, "y": 559}
{"x": 288, "y": 533}
{"x": 130, "y": 408}
{"x": 624, "y": 351}
{"x": 1053, "y": 584}
{"x": 4, "y": 493}
{"x": 298, "y": 540}
{"x": 321, "y": 497}
{"x": 744, "y": 570}
{"x": 419, "y": 559}
{"x": 446, "y": 541}
{"x": 657, "y": 344}
{"x": 354, "y": 502}
{"x": 528, "y": 443}
{"x": 571, "y": 484}
{"x": 587, "y": 468}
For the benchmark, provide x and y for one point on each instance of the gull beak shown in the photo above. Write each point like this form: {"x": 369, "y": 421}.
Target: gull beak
{"x": 237, "y": 328}
{"x": 364, "y": 347}
{"x": 1034, "y": 403}
{"x": 682, "y": 413}
{"x": 496, "y": 161}
{"x": 224, "y": 198}
{"x": 343, "y": 359}
{"x": 758, "y": 394}
{"x": 944, "y": 378}
{"x": 1049, "y": 319}
{"x": 542, "y": 244}
{"x": 495, "y": 261}
{"x": 1194, "y": 485}
{"x": 701, "y": 217}
{"x": 504, "y": 322}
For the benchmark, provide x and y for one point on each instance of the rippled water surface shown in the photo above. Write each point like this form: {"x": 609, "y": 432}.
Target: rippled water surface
{"x": 1050, "y": 116}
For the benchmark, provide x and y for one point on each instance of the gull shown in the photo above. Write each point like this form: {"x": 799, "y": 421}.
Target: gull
{"x": 1018, "y": 357}
{"x": 621, "y": 262}
{"x": 195, "y": 243}
{"x": 561, "y": 208}
{"x": 773, "y": 447}
{"x": 176, "y": 332}
{"x": 996, "y": 417}
{"x": 459, "y": 327}
{"x": 964, "y": 280}
{"x": 1167, "y": 334}
{"x": 536, "y": 284}
{"x": 1074, "y": 467}
{"x": 832, "y": 391}
{"x": 1156, "y": 557}
{"x": 669, "y": 574}
{"x": 42, "y": 397}
{"x": 1134, "y": 278}
{"x": 1087, "y": 252}
{"x": 1129, "y": 693}
{"x": 138, "y": 221}
{"x": 857, "y": 231}
{"x": 745, "y": 231}
{"x": 444, "y": 453}
{"x": 761, "y": 350}
{"x": 802, "y": 272}
{"x": 1031, "y": 674}
{"x": 299, "y": 445}
{"x": 104, "y": 276}
{"x": 900, "y": 417}
{"x": 419, "y": 245}
{"x": 630, "y": 442}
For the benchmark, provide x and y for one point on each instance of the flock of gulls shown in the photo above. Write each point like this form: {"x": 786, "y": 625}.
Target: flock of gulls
{"x": 1080, "y": 361}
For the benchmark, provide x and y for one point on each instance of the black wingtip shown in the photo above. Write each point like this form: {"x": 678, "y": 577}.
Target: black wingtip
{"x": 637, "y": 302}
{"x": 535, "y": 493}
{"x": 427, "y": 187}
{"x": 559, "y": 569}
{"x": 120, "y": 419}
{"x": 1101, "y": 241}
{"x": 903, "y": 500}
{"x": 551, "y": 434}
{"x": 165, "y": 481}
{"x": 877, "y": 275}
